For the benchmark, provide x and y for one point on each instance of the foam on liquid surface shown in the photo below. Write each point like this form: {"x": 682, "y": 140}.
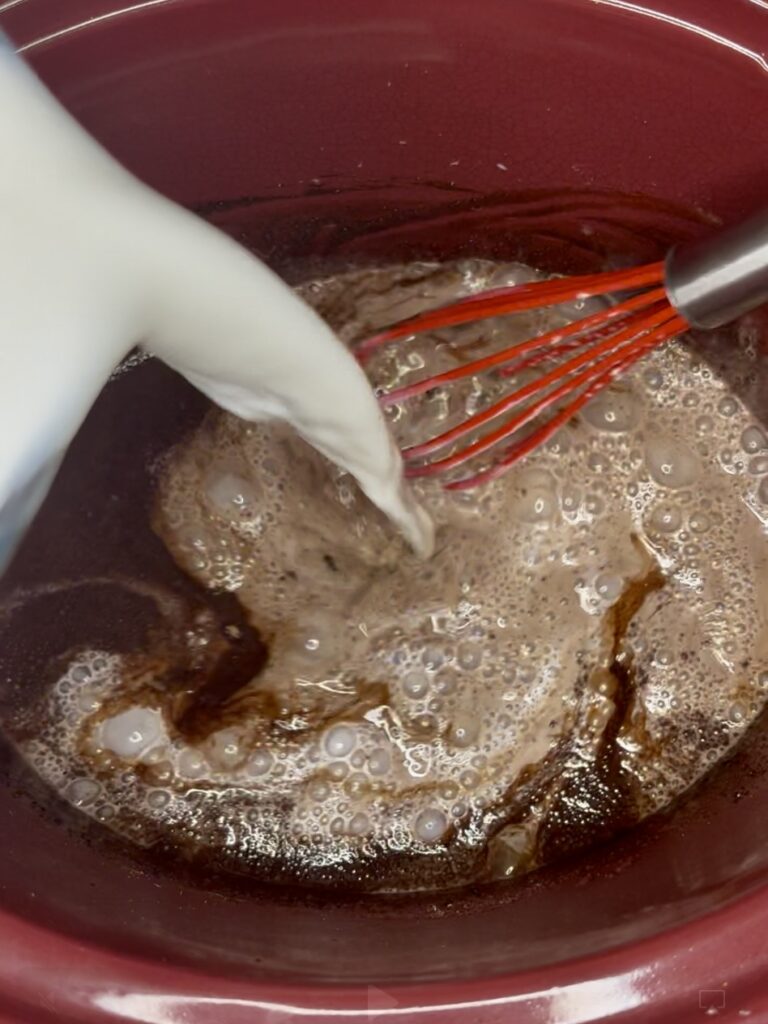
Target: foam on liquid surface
{"x": 421, "y": 723}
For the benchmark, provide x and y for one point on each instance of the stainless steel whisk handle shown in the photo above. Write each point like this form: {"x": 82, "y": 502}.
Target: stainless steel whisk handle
{"x": 713, "y": 281}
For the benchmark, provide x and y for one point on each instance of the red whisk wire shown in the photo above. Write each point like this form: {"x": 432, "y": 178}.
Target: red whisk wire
{"x": 518, "y": 451}
{"x": 606, "y": 344}
{"x": 568, "y": 386}
{"x": 551, "y": 340}
{"x": 517, "y": 299}
{"x": 641, "y": 325}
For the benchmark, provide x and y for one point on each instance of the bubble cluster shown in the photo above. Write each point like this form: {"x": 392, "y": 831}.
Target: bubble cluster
{"x": 414, "y": 703}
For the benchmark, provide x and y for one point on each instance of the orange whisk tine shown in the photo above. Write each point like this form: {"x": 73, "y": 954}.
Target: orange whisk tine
{"x": 518, "y": 451}
{"x": 553, "y": 341}
{"x": 640, "y": 325}
{"x": 516, "y": 299}
{"x": 603, "y": 328}
{"x": 570, "y": 385}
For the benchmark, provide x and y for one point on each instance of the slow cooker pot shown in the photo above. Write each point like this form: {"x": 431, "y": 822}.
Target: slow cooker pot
{"x": 322, "y": 135}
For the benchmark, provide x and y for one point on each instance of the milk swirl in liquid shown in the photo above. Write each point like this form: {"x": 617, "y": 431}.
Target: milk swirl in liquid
{"x": 587, "y": 641}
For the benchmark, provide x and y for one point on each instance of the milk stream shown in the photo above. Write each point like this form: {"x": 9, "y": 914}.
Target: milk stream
{"x": 92, "y": 263}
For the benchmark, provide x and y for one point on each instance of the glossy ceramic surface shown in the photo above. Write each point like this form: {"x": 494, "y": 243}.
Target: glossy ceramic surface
{"x": 339, "y": 131}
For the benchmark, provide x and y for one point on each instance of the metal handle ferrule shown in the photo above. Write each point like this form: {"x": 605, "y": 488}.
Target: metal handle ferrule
{"x": 717, "y": 279}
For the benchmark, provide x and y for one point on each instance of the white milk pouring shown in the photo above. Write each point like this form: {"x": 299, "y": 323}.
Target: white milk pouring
{"x": 93, "y": 263}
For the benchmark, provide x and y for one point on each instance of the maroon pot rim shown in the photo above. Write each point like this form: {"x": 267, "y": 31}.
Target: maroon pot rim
{"x": 680, "y": 971}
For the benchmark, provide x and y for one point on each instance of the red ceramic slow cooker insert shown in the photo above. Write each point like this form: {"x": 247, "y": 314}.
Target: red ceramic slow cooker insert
{"x": 324, "y": 135}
